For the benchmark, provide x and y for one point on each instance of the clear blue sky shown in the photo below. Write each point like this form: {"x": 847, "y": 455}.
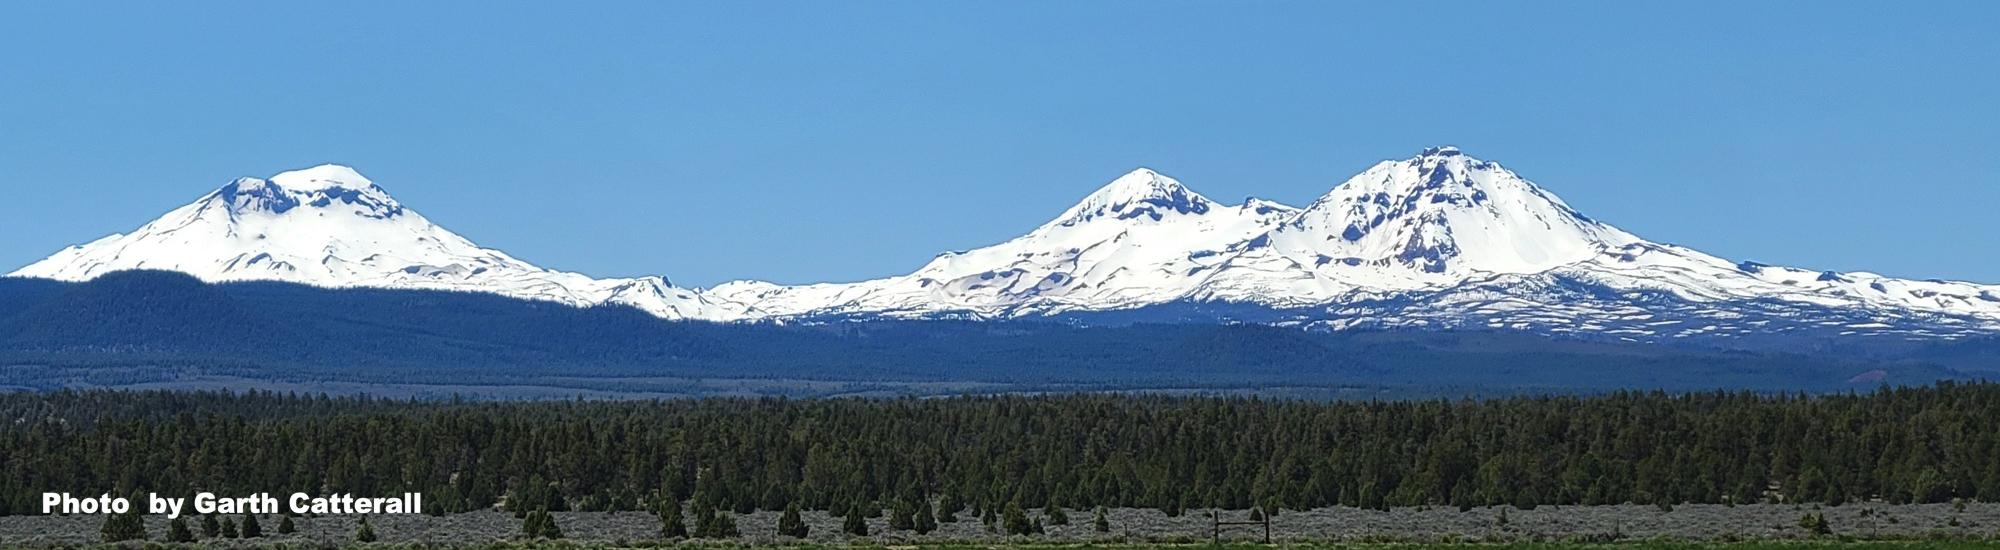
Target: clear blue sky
{"x": 812, "y": 141}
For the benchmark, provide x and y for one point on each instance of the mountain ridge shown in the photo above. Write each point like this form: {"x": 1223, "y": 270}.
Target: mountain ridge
{"x": 1440, "y": 238}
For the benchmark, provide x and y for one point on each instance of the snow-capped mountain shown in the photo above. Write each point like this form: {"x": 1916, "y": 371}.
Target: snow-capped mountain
{"x": 329, "y": 226}
{"x": 1132, "y": 243}
{"x": 1439, "y": 240}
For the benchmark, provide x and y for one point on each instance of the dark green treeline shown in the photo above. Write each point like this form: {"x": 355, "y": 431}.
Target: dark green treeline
{"x": 1921, "y": 444}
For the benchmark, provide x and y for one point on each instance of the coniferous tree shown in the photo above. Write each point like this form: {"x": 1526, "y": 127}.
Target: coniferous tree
{"x": 1101, "y": 523}
{"x": 1816, "y": 523}
{"x": 285, "y": 526}
{"x": 123, "y": 527}
{"x": 791, "y": 524}
{"x": 902, "y": 516}
{"x": 1056, "y": 514}
{"x": 948, "y": 507}
{"x": 229, "y": 528}
{"x": 177, "y": 531}
{"x": 1016, "y": 520}
{"x": 725, "y": 526}
{"x": 251, "y": 529}
{"x": 516, "y": 501}
{"x": 366, "y": 533}
{"x": 672, "y": 525}
{"x": 540, "y": 524}
{"x": 924, "y": 522}
{"x": 549, "y": 528}
{"x": 531, "y": 524}
{"x": 210, "y": 528}
{"x": 710, "y": 524}
{"x": 855, "y": 524}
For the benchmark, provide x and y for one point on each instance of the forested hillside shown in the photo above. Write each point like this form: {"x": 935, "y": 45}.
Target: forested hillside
{"x": 971, "y": 455}
{"x": 151, "y": 327}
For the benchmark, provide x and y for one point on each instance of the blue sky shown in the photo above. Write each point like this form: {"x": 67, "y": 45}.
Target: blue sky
{"x": 810, "y": 141}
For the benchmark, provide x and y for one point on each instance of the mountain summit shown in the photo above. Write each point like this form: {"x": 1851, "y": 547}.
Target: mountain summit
{"x": 330, "y": 226}
{"x": 1138, "y": 240}
{"x": 322, "y": 178}
{"x": 1438, "y": 240}
{"x": 1430, "y": 221}
{"x": 1447, "y": 214}
{"x": 1141, "y": 192}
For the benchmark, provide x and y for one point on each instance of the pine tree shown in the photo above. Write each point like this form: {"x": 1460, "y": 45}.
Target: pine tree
{"x": 902, "y": 516}
{"x": 925, "y": 522}
{"x": 790, "y": 524}
{"x": 725, "y": 527}
{"x": 285, "y": 526}
{"x": 672, "y": 525}
{"x": 366, "y": 533}
{"x": 177, "y": 531}
{"x": 549, "y": 528}
{"x": 1101, "y": 523}
{"x": 531, "y": 524}
{"x": 855, "y": 524}
{"x": 709, "y": 524}
{"x": 540, "y": 524}
{"x": 1056, "y": 514}
{"x": 123, "y": 527}
{"x": 1016, "y": 520}
{"x": 516, "y": 501}
{"x": 948, "y": 507}
{"x": 209, "y": 527}
{"x": 228, "y": 528}
{"x": 251, "y": 529}
{"x": 1816, "y": 523}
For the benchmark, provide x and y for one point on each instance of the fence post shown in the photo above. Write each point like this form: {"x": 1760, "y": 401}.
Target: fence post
{"x": 1267, "y": 525}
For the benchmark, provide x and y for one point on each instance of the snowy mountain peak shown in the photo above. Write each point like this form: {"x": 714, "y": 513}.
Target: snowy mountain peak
{"x": 1139, "y": 194}
{"x": 318, "y": 188}
{"x": 1438, "y": 218}
{"x": 1441, "y": 151}
{"x": 330, "y": 226}
{"x": 321, "y": 178}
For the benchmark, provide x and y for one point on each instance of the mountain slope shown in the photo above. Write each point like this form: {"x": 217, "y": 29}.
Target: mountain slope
{"x": 151, "y": 329}
{"x": 1140, "y": 239}
{"x": 330, "y": 226}
{"x": 1435, "y": 220}
{"x": 1438, "y": 240}
{"x": 1446, "y": 240}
